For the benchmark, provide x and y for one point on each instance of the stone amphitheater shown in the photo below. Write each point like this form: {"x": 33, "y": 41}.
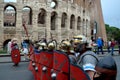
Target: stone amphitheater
{"x": 56, "y": 19}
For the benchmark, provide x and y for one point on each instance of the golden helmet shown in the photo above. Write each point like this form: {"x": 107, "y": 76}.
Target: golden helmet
{"x": 79, "y": 39}
{"x": 52, "y": 45}
{"x": 42, "y": 45}
{"x": 65, "y": 45}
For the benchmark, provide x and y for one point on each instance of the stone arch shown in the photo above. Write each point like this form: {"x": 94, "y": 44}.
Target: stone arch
{"x": 78, "y": 23}
{"x": 84, "y": 3}
{"x": 64, "y": 20}
{"x": 9, "y": 16}
{"x": 83, "y": 26}
{"x": 27, "y": 15}
{"x": 53, "y": 20}
{"x": 87, "y": 22}
{"x": 5, "y": 43}
{"x": 72, "y": 21}
{"x": 42, "y": 16}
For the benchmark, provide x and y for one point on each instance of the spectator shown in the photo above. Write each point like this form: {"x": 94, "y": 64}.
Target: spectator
{"x": 112, "y": 46}
{"x": 109, "y": 46}
{"x": 100, "y": 44}
{"x": 93, "y": 45}
{"x": 25, "y": 49}
{"x": 9, "y": 47}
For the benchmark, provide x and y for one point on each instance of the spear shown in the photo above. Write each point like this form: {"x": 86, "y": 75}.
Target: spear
{"x": 25, "y": 30}
{"x": 45, "y": 34}
{"x": 51, "y": 36}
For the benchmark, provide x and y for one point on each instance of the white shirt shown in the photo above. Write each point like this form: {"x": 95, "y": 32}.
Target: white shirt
{"x": 9, "y": 47}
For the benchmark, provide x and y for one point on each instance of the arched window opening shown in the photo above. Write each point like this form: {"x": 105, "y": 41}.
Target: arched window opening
{"x": 86, "y": 23}
{"x": 72, "y": 22}
{"x": 84, "y": 1}
{"x": 86, "y": 27}
{"x": 5, "y": 44}
{"x": 27, "y": 16}
{"x": 9, "y": 16}
{"x": 83, "y": 27}
{"x": 64, "y": 20}
{"x": 78, "y": 23}
{"x": 84, "y": 12}
{"x": 53, "y": 20}
{"x": 41, "y": 16}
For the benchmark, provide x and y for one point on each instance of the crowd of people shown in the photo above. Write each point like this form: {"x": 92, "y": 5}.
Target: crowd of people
{"x": 80, "y": 52}
{"x": 101, "y": 47}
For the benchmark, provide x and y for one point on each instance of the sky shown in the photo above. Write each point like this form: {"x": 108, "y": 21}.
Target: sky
{"x": 111, "y": 12}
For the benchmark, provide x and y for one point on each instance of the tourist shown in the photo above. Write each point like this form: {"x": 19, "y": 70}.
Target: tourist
{"x": 113, "y": 43}
{"x": 100, "y": 44}
{"x": 108, "y": 46}
{"x": 25, "y": 49}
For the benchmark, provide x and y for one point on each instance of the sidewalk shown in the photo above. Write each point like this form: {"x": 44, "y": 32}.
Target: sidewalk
{"x": 116, "y": 53}
{"x": 7, "y": 55}
{"x": 6, "y": 58}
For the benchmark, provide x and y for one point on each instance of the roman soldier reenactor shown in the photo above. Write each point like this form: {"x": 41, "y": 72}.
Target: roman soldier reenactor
{"x": 65, "y": 46}
{"x": 15, "y": 53}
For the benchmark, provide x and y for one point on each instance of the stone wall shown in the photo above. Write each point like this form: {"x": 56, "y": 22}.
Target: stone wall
{"x": 66, "y": 19}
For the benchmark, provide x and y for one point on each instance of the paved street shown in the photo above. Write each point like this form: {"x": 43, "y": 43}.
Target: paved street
{"x": 117, "y": 59}
{"x": 9, "y": 72}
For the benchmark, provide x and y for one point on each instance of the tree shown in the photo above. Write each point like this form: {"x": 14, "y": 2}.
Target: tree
{"x": 112, "y": 32}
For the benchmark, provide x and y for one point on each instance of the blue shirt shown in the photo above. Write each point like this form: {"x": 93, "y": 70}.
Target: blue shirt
{"x": 99, "y": 42}
{"x": 24, "y": 45}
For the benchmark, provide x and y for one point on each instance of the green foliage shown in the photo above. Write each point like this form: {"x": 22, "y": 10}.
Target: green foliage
{"x": 3, "y": 51}
{"x": 112, "y": 32}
